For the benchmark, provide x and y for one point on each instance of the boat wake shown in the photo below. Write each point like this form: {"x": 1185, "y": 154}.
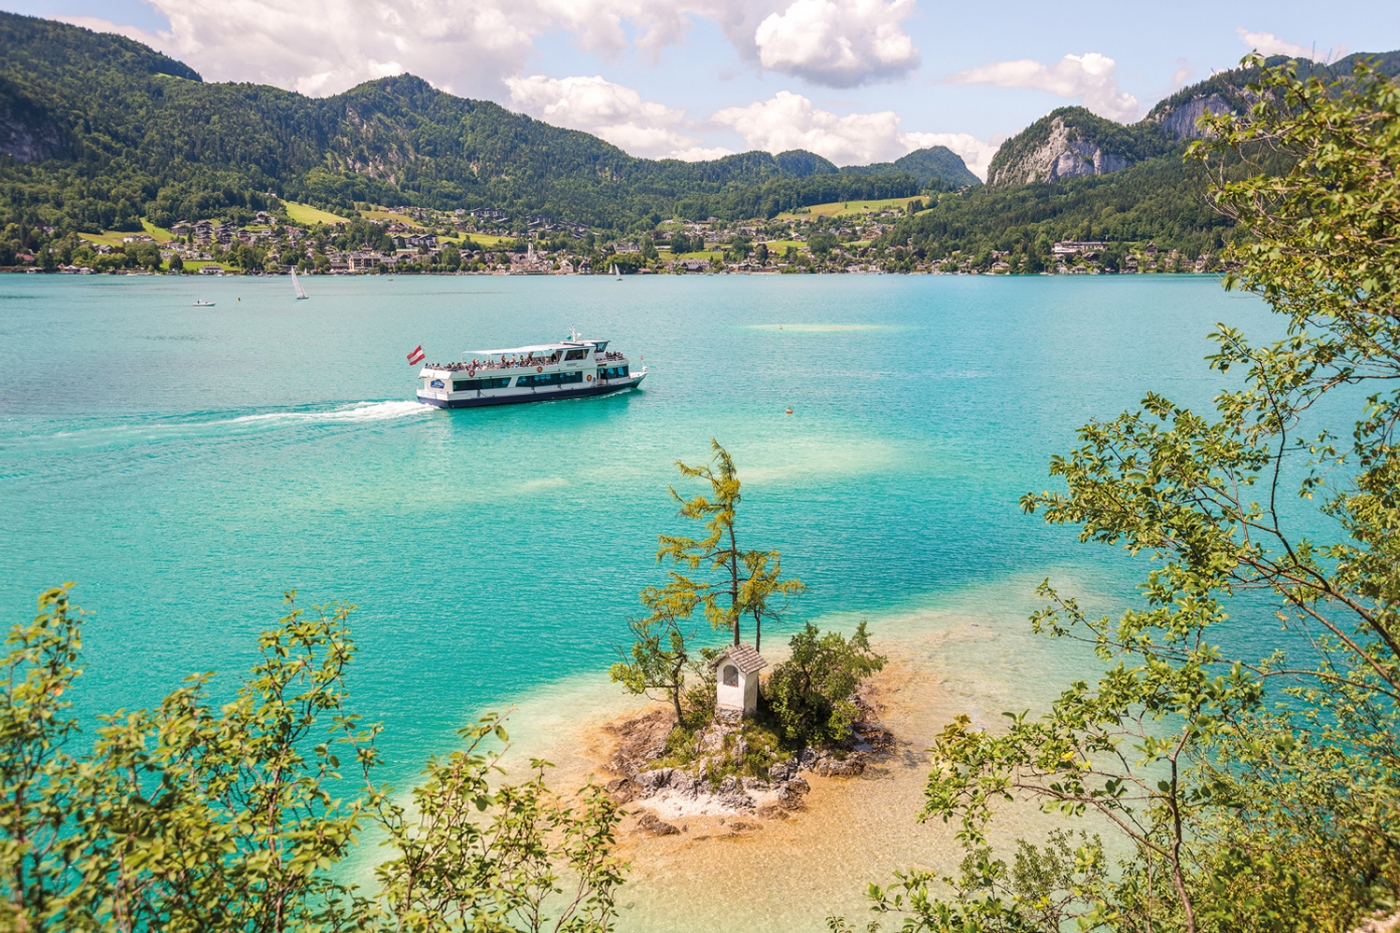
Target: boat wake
{"x": 347, "y": 414}
{"x": 206, "y": 427}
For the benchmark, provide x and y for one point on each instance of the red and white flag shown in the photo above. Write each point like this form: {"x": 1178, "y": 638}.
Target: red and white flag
{"x": 416, "y": 356}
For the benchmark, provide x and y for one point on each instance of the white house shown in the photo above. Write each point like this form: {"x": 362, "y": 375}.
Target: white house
{"x": 736, "y": 681}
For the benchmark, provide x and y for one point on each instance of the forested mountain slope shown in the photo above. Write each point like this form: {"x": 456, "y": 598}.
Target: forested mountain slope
{"x": 928, "y": 166}
{"x": 97, "y": 130}
{"x": 1158, "y": 200}
{"x": 1075, "y": 176}
{"x": 1071, "y": 142}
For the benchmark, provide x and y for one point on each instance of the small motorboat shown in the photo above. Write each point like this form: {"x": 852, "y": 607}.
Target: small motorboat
{"x": 203, "y": 304}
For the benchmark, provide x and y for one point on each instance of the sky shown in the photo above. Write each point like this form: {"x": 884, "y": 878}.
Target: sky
{"x": 856, "y": 81}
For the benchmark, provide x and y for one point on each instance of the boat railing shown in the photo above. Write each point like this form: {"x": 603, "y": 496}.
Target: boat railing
{"x": 517, "y": 363}
{"x": 478, "y": 365}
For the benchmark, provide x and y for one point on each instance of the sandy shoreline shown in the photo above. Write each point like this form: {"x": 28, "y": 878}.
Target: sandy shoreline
{"x": 747, "y": 875}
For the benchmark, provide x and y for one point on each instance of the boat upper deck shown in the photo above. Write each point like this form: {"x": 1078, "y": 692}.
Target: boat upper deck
{"x": 529, "y": 357}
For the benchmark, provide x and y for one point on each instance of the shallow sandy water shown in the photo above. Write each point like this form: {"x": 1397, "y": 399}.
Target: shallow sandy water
{"x": 790, "y": 875}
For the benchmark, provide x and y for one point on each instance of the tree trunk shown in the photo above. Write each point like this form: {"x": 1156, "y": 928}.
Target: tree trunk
{"x": 734, "y": 583}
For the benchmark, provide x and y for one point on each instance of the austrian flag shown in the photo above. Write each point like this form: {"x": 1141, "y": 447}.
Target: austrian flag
{"x": 416, "y": 356}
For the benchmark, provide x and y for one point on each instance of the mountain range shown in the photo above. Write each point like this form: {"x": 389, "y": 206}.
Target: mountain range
{"x": 98, "y": 131}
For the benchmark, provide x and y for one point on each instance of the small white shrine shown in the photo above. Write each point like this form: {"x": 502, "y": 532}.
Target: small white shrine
{"x": 736, "y": 680}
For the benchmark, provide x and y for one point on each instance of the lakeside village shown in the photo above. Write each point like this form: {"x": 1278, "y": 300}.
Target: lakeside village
{"x": 854, "y": 237}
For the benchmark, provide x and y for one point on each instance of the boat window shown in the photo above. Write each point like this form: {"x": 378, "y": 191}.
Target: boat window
{"x": 601, "y": 346}
{"x": 539, "y": 380}
{"x": 473, "y": 385}
{"x": 575, "y": 355}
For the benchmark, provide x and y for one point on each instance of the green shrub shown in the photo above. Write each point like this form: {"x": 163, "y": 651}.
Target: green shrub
{"x": 810, "y": 693}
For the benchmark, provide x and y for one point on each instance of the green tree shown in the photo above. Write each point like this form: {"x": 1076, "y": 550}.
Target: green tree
{"x": 810, "y": 693}
{"x": 659, "y": 655}
{"x": 537, "y": 864}
{"x": 193, "y": 817}
{"x": 748, "y": 581}
{"x": 822, "y": 243}
{"x": 145, "y": 255}
{"x": 179, "y": 812}
{"x": 1246, "y": 792}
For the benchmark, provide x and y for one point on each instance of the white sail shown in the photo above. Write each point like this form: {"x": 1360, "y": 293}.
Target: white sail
{"x": 296, "y": 284}
{"x": 617, "y": 272}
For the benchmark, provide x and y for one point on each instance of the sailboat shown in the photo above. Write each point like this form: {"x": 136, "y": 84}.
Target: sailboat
{"x": 617, "y": 272}
{"x": 296, "y": 284}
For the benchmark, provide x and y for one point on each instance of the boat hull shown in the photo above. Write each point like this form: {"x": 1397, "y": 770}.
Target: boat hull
{"x": 517, "y": 398}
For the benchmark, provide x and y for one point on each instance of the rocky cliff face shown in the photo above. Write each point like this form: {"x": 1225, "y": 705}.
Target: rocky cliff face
{"x": 1065, "y": 152}
{"x": 27, "y": 132}
{"x": 1179, "y": 121}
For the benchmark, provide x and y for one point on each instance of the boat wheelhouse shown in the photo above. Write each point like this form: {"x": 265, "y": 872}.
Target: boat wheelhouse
{"x": 571, "y": 368}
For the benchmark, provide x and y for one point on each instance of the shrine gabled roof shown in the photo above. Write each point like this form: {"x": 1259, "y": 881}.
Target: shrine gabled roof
{"x": 745, "y": 658}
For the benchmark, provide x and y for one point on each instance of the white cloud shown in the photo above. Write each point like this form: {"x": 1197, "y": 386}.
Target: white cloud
{"x": 466, "y": 48}
{"x": 344, "y": 42}
{"x": 470, "y": 48}
{"x": 1091, "y": 77}
{"x": 481, "y": 48}
{"x": 611, "y": 111}
{"x": 790, "y": 121}
{"x": 839, "y": 43}
{"x": 96, "y": 24}
{"x": 1268, "y": 44}
{"x": 701, "y": 153}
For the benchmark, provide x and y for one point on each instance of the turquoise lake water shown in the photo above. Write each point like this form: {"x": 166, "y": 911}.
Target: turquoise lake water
{"x": 186, "y": 465}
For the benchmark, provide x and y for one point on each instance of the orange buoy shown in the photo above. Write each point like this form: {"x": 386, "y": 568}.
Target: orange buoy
{"x": 789, "y": 411}
{"x": 539, "y": 369}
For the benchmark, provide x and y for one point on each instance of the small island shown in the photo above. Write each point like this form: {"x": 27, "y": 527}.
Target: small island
{"x": 733, "y": 742}
{"x": 742, "y": 761}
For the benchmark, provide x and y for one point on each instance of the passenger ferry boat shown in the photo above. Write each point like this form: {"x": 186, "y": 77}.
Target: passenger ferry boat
{"x": 571, "y": 368}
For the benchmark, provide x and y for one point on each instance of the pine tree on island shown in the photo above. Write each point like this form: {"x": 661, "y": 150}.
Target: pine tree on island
{"x": 748, "y": 580}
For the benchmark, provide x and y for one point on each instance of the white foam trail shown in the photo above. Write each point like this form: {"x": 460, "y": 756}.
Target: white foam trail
{"x": 174, "y": 430}
{"x": 349, "y": 414}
